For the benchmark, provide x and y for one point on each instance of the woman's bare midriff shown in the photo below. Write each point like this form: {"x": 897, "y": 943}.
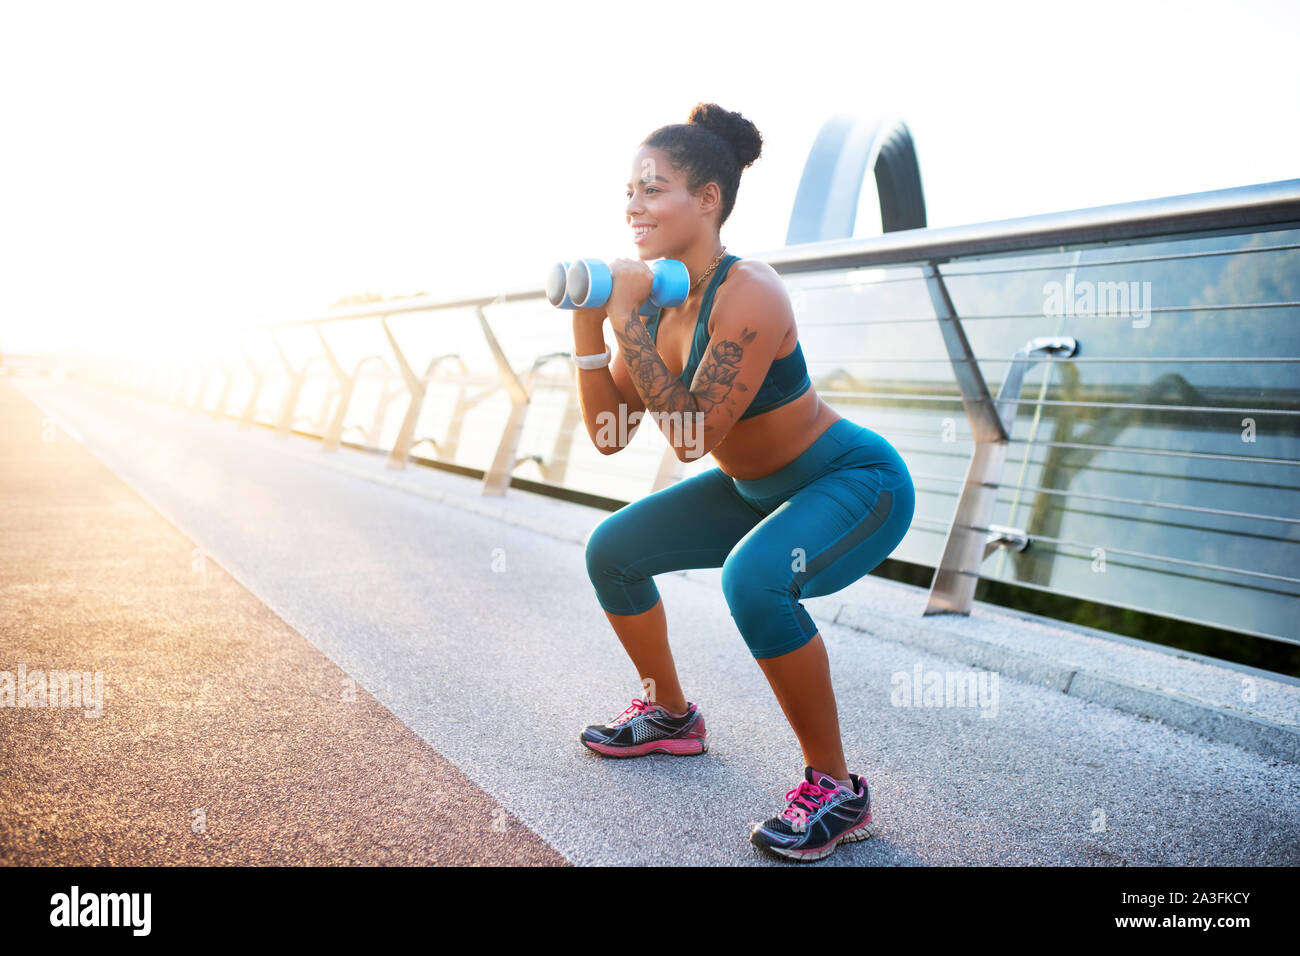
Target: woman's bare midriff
{"x": 758, "y": 446}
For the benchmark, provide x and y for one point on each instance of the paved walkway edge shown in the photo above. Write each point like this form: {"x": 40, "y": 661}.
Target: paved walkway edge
{"x": 1177, "y": 710}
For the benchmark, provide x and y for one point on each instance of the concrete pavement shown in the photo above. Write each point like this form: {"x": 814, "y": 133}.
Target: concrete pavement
{"x": 478, "y": 632}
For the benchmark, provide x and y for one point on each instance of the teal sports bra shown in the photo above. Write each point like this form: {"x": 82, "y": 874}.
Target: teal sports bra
{"x": 786, "y": 380}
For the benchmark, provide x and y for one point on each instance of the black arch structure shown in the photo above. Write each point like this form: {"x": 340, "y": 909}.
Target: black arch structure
{"x": 826, "y": 205}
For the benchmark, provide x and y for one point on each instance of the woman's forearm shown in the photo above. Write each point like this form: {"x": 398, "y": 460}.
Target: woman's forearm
{"x": 672, "y": 404}
{"x": 598, "y": 396}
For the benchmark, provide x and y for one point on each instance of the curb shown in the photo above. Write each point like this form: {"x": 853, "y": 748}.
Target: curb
{"x": 1174, "y": 709}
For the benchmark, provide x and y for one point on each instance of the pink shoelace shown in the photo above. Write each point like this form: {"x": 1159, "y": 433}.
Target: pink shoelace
{"x": 637, "y": 708}
{"x": 802, "y": 799}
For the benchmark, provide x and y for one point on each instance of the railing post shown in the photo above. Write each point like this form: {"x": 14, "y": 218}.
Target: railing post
{"x": 259, "y": 379}
{"x": 497, "y": 478}
{"x": 386, "y": 397}
{"x": 319, "y": 423}
{"x": 563, "y": 446}
{"x": 415, "y": 386}
{"x": 552, "y": 468}
{"x": 224, "y": 397}
{"x": 332, "y": 432}
{"x": 445, "y": 450}
{"x": 296, "y": 379}
{"x": 464, "y": 402}
{"x": 970, "y": 539}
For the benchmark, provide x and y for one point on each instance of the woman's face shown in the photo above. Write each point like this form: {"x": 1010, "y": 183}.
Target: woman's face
{"x": 657, "y": 198}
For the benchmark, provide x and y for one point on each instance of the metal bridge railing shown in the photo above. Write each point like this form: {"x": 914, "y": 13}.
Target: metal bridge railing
{"x": 1145, "y": 459}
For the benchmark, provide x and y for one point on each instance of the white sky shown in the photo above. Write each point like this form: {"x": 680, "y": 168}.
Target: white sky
{"x": 174, "y": 167}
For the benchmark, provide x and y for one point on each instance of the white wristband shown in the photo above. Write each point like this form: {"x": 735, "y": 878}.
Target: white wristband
{"x": 592, "y": 361}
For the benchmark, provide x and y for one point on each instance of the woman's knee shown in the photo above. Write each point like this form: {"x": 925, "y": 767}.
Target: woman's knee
{"x": 762, "y": 593}
{"x": 739, "y": 573}
{"x": 620, "y": 589}
{"x": 606, "y": 546}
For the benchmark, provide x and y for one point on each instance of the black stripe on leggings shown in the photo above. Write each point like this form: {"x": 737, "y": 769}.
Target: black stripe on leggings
{"x": 865, "y": 529}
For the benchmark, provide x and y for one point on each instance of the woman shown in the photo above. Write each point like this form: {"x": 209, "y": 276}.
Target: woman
{"x": 802, "y": 502}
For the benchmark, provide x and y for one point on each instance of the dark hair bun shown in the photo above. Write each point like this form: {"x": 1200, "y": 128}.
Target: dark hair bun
{"x": 740, "y": 133}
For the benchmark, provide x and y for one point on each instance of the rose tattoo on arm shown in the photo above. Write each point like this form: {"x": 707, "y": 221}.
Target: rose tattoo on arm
{"x": 717, "y": 373}
{"x": 663, "y": 392}
{"x": 660, "y": 389}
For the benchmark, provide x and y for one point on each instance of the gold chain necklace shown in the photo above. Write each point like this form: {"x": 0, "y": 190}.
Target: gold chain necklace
{"x": 708, "y": 272}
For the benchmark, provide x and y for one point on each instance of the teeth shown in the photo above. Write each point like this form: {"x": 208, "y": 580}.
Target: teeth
{"x": 642, "y": 230}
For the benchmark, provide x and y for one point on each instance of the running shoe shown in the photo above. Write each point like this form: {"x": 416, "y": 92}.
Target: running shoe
{"x": 646, "y": 728}
{"x": 819, "y": 817}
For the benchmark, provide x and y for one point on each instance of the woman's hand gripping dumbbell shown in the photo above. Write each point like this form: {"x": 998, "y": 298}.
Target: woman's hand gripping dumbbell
{"x": 622, "y": 283}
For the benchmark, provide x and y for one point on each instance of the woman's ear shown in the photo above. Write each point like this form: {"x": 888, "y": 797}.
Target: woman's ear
{"x": 710, "y": 198}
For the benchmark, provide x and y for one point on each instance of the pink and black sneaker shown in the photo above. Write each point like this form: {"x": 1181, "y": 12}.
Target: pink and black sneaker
{"x": 820, "y": 816}
{"x": 646, "y": 728}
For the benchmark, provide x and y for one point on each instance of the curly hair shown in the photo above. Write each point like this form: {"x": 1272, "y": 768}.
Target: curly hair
{"x": 713, "y": 146}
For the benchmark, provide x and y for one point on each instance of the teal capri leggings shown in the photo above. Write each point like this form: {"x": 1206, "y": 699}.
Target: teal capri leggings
{"x": 806, "y": 530}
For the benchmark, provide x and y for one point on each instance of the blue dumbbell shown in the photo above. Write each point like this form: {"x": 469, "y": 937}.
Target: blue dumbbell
{"x": 587, "y": 284}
